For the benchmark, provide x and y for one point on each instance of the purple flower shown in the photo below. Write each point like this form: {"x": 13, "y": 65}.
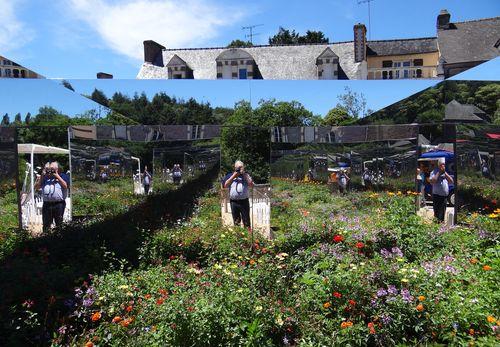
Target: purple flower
{"x": 385, "y": 253}
{"x": 405, "y": 294}
{"x": 392, "y": 290}
{"x": 397, "y": 252}
{"x": 62, "y": 330}
{"x": 87, "y": 302}
{"x": 78, "y": 293}
{"x": 386, "y": 320}
{"x": 90, "y": 291}
{"x": 381, "y": 292}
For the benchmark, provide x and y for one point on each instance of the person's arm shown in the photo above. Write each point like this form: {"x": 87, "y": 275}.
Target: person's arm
{"x": 62, "y": 182}
{"x": 448, "y": 177}
{"x": 248, "y": 179}
{"x": 433, "y": 177}
{"x": 230, "y": 179}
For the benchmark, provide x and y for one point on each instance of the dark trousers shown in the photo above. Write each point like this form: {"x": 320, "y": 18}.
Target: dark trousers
{"x": 146, "y": 189}
{"x": 53, "y": 212}
{"x": 240, "y": 209}
{"x": 439, "y": 206}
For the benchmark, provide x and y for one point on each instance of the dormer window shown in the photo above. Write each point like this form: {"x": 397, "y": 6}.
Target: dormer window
{"x": 178, "y": 69}
{"x": 328, "y": 65}
{"x": 236, "y": 63}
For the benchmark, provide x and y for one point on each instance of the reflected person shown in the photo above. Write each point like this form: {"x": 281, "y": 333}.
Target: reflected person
{"x": 54, "y": 186}
{"x": 440, "y": 181}
{"x": 146, "y": 180}
{"x": 239, "y": 183}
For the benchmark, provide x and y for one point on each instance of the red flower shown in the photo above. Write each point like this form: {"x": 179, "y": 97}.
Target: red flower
{"x": 147, "y": 296}
{"x": 163, "y": 292}
{"x": 338, "y": 238}
{"x": 352, "y": 302}
{"x": 160, "y": 301}
{"x": 129, "y": 308}
{"x": 360, "y": 245}
{"x": 337, "y": 295}
{"x": 371, "y": 327}
{"x": 172, "y": 257}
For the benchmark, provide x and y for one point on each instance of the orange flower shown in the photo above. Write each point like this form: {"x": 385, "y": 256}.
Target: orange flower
{"x": 471, "y": 332}
{"x": 252, "y": 262}
{"x": 129, "y": 308}
{"x": 486, "y": 268}
{"x": 125, "y": 323}
{"x": 352, "y": 302}
{"x": 117, "y": 319}
{"x": 421, "y": 298}
{"x": 371, "y": 327}
{"x": 89, "y": 344}
{"x": 347, "y": 324}
{"x": 491, "y": 319}
{"x": 420, "y": 307}
{"x": 160, "y": 301}
{"x": 96, "y": 316}
{"x": 147, "y": 296}
{"x": 473, "y": 261}
{"x": 327, "y": 304}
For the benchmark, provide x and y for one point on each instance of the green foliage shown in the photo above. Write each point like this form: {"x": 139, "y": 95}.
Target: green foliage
{"x": 239, "y": 44}
{"x": 287, "y": 37}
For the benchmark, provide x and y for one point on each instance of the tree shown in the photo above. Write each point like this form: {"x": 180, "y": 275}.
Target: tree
{"x": 313, "y": 37}
{"x": 5, "y": 120}
{"x": 239, "y": 44}
{"x": 284, "y": 37}
{"x": 281, "y": 113}
{"x": 99, "y": 97}
{"x": 68, "y": 85}
{"x": 353, "y": 103}
{"x": 27, "y": 119}
{"x": 287, "y": 37}
{"x": 337, "y": 116}
{"x": 17, "y": 120}
{"x": 486, "y": 98}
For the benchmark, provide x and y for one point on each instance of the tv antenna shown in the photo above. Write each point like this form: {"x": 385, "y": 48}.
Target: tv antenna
{"x": 251, "y": 34}
{"x": 369, "y": 16}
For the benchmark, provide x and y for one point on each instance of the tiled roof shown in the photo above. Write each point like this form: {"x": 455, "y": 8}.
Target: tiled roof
{"x": 402, "y": 46}
{"x": 470, "y": 41}
{"x": 293, "y": 62}
{"x": 455, "y": 111}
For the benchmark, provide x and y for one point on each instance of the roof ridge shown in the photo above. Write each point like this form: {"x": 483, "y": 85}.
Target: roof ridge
{"x": 476, "y": 20}
{"x": 259, "y": 46}
{"x": 404, "y": 39}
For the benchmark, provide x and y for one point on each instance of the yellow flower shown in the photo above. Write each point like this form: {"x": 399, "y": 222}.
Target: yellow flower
{"x": 493, "y": 215}
{"x": 327, "y": 304}
{"x": 404, "y": 280}
{"x": 491, "y": 319}
{"x": 390, "y": 193}
{"x": 258, "y": 308}
{"x": 421, "y": 298}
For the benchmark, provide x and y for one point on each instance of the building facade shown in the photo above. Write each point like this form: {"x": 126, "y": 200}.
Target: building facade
{"x": 10, "y": 69}
{"x": 455, "y": 48}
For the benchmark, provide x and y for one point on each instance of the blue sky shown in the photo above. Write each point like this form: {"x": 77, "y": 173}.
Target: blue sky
{"x": 78, "y": 38}
{"x": 318, "y": 96}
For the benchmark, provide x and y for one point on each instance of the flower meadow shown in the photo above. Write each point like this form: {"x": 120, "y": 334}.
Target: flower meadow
{"x": 359, "y": 269}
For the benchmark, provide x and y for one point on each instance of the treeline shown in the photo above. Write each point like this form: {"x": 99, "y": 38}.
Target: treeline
{"x": 428, "y": 106}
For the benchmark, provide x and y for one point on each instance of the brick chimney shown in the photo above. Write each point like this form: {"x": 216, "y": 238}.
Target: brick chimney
{"x": 104, "y": 76}
{"x": 153, "y": 53}
{"x": 443, "y": 20}
{"x": 359, "y": 43}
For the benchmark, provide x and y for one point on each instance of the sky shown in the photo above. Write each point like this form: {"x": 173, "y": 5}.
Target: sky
{"x": 28, "y": 95}
{"x": 317, "y": 96}
{"x": 78, "y": 38}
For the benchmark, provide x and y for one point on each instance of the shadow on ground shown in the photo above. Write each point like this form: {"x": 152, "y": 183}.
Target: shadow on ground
{"x": 45, "y": 270}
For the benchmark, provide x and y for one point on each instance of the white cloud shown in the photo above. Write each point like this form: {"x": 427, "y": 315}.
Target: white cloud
{"x": 13, "y": 32}
{"x": 124, "y": 25}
